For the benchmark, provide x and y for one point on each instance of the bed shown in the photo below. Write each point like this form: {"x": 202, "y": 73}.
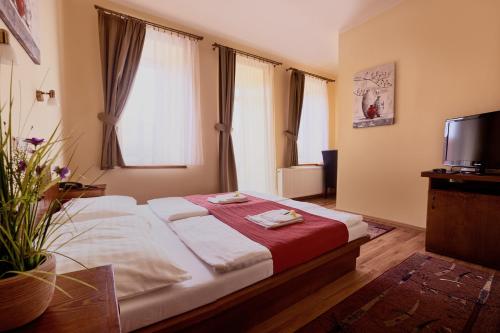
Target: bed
{"x": 234, "y": 300}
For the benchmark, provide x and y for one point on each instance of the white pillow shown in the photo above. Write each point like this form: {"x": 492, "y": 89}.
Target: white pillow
{"x": 139, "y": 262}
{"x": 175, "y": 208}
{"x": 82, "y": 209}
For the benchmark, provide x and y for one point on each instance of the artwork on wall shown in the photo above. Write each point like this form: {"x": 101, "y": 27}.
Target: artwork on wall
{"x": 20, "y": 16}
{"x": 374, "y": 96}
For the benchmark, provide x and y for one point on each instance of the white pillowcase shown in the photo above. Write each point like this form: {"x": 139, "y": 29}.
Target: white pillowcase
{"x": 82, "y": 209}
{"x": 175, "y": 208}
{"x": 139, "y": 260}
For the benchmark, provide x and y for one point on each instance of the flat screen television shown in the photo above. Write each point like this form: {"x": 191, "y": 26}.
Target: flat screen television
{"x": 473, "y": 142}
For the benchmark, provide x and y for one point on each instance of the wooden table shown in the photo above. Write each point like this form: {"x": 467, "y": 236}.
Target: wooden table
{"x": 88, "y": 311}
{"x": 88, "y": 191}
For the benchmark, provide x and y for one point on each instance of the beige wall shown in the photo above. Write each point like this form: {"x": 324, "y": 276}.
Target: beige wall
{"x": 447, "y": 56}
{"x": 29, "y": 77}
{"x": 83, "y": 101}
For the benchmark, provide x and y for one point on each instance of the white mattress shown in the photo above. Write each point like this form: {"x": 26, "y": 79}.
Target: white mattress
{"x": 355, "y": 226}
{"x": 206, "y": 286}
{"x": 357, "y": 230}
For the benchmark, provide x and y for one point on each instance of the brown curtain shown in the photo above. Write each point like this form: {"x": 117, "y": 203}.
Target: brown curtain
{"x": 294, "y": 113}
{"x": 228, "y": 180}
{"x": 121, "y": 44}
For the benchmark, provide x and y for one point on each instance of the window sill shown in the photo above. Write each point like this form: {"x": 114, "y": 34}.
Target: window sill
{"x": 310, "y": 164}
{"x": 154, "y": 167}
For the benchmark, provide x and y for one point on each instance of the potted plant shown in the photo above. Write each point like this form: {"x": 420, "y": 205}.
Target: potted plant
{"x": 27, "y": 267}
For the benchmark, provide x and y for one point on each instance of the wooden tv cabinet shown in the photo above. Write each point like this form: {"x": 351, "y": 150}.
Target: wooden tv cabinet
{"x": 463, "y": 217}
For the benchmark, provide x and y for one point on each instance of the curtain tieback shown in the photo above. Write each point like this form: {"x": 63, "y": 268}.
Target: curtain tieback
{"x": 222, "y": 128}
{"x": 108, "y": 119}
{"x": 291, "y": 136}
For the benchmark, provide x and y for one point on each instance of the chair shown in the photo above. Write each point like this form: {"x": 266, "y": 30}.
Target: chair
{"x": 330, "y": 171}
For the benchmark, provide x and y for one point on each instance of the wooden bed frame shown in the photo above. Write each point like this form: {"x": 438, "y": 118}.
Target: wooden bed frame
{"x": 247, "y": 307}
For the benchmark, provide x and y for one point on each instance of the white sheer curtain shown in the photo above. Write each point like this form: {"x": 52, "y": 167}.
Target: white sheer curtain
{"x": 313, "y": 131}
{"x": 253, "y": 125}
{"x": 161, "y": 121}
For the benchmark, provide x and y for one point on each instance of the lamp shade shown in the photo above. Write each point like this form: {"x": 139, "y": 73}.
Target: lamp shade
{"x": 52, "y": 101}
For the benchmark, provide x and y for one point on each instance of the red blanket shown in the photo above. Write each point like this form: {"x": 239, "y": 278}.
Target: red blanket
{"x": 290, "y": 245}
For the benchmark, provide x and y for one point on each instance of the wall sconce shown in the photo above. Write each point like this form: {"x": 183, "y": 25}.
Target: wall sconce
{"x": 7, "y": 54}
{"x": 52, "y": 101}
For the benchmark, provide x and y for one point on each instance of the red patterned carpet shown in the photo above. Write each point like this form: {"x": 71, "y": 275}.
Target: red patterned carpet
{"x": 422, "y": 294}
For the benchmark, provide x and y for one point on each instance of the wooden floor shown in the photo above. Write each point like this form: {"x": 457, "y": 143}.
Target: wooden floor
{"x": 376, "y": 257}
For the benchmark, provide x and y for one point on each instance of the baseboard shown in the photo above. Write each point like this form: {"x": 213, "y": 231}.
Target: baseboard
{"x": 308, "y": 197}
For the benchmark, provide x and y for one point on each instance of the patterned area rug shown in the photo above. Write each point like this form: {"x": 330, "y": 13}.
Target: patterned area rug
{"x": 376, "y": 230}
{"x": 422, "y": 294}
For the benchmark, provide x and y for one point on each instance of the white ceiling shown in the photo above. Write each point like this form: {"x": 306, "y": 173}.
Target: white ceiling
{"x": 303, "y": 31}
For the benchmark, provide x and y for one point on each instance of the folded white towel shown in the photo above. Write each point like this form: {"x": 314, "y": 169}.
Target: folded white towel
{"x": 175, "y": 208}
{"x": 276, "y": 218}
{"x": 280, "y": 215}
{"x": 228, "y": 198}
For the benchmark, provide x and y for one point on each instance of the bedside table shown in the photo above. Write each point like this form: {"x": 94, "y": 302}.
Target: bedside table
{"x": 88, "y": 311}
{"x": 88, "y": 191}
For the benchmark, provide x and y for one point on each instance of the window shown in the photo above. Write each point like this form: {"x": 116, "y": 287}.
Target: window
{"x": 253, "y": 125}
{"x": 160, "y": 124}
{"x": 313, "y": 130}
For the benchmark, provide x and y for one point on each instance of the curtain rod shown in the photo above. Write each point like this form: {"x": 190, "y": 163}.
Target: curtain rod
{"x": 311, "y": 74}
{"x": 274, "y": 63}
{"x": 180, "y": 32}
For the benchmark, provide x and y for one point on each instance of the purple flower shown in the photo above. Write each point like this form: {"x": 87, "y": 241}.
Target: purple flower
{"x": 39, "y": 169}
{"x": 62, "y": 172}
{"x": 21, "y": 166}
{"x": 34, "y": 141}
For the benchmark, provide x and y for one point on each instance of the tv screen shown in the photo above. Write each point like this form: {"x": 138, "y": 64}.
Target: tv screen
{"x": 473, "y": 141}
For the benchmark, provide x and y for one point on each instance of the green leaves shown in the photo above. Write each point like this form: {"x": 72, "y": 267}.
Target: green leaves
{"x": 24, "y": 166}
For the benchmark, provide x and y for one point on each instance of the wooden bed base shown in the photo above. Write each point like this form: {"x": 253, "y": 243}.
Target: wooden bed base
{"x": 251, "y": 305}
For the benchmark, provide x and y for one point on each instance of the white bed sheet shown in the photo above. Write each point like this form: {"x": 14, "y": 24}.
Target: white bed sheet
{"x": 205, "y": 286}
{"x": 356, "y": 228}
{"x": 349, "y": 219}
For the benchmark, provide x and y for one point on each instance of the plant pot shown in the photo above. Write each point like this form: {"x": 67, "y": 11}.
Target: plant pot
{"x": 24, "y": 298}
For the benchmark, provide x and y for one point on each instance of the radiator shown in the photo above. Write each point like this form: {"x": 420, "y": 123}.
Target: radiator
{"x": 300, "y": 181}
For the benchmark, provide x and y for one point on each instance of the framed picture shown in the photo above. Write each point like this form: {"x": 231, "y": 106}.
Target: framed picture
{"x": 20, "y": 16}
{"x": 374, "y": 96}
